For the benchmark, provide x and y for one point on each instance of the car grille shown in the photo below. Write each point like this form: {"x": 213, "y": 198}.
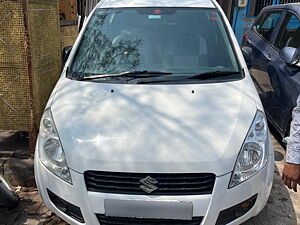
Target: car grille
{"x": 105, "y": 220}
{"x": 167, "y": 184}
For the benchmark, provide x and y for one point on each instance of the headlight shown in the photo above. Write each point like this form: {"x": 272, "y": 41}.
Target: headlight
{"x": 254, "y": 153}
{"x": 50, "y": 149}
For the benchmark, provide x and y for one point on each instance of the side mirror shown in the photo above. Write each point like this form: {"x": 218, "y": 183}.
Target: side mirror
{"x": 290, "y": 55}
{"x": 247, "y": 52}
{"x": 65, "y": 54}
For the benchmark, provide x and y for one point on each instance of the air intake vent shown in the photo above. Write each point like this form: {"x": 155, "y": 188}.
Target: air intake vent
{"x": 66, "y": 207}
{"x": 104, "y": 220}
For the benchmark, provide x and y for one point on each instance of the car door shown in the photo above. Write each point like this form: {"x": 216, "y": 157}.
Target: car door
{"x": 259, "y": 39}
{"x": 285, "y": 79}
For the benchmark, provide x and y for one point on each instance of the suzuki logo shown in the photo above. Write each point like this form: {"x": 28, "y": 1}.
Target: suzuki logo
{"x": 148, "y": 184}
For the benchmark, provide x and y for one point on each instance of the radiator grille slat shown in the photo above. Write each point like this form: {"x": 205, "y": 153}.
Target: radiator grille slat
{"x": 167, "y": 184}
{"x": 104, "y": 220}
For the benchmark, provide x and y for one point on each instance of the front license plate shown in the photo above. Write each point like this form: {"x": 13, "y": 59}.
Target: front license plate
{"x": 175, "y": 210}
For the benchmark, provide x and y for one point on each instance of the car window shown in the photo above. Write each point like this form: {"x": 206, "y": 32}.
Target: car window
{"x": 266, "y": 26}
{"x": 289, "y": 35}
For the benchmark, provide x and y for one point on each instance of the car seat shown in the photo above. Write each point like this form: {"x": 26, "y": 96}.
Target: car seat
{"x": 187, "y": 48}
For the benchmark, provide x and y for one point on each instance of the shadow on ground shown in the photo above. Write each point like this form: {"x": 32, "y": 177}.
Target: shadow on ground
{"x": 12, "y": 141}
{"x": 30, "y": 211}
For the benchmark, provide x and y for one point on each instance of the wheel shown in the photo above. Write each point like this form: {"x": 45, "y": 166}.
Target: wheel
{"x": 8, "y": 197}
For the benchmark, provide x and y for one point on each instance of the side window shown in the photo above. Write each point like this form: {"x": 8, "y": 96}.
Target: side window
{"x": 289, "y": 34}
{"x": 266, "y": 26}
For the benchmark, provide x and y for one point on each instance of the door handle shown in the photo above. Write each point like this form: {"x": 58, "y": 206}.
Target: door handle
{"x": 268, "y": 57}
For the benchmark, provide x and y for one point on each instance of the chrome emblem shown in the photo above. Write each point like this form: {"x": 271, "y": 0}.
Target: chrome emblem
{"x": 148, "y": 184}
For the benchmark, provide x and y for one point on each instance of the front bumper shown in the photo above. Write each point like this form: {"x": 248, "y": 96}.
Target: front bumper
{"x": 206, "y": 206}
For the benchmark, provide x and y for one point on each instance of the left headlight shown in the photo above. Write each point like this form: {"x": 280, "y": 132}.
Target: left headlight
{"x": 254, "y": 153}
{"x": 50, "y": 149}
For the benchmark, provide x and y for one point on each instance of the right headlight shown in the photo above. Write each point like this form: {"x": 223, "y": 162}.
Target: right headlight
{"x": 254, "y": 153}
{"x": 50, "y": 149}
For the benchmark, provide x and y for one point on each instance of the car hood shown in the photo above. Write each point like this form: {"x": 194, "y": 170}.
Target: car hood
{"x": 153, "y": 128}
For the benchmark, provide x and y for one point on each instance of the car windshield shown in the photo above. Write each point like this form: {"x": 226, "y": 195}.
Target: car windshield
{"x": 173, "y": 41}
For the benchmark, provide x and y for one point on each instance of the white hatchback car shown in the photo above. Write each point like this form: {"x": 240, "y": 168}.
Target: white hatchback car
{"x": 155, "y": 120}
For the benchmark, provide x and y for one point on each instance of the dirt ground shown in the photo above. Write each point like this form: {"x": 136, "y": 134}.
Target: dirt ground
{"x": 283, "y": 207}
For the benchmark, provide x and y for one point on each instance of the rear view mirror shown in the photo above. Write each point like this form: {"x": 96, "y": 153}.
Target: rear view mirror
{"x": 65, "y": 54}
{"x": 290, "y": 55}
{"x": 247, "y": 53}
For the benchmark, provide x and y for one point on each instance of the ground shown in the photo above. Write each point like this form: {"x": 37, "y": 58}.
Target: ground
{"x": 283, "y": 207}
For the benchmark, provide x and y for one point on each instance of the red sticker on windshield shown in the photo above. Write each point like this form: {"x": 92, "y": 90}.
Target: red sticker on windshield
{"x": 157, "y": 11}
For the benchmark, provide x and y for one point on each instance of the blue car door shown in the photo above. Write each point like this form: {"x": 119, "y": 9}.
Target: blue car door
{"x": 285, "y": 79}
{"x": 259, "y": 39}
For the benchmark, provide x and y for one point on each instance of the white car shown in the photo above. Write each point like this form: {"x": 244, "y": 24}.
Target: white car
{"x": 155, "y": 120}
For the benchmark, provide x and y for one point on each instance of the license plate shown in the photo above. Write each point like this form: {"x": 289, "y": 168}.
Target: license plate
{"x": 173, "y": 210}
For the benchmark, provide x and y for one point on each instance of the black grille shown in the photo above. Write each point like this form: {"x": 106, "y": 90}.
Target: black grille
{"x": 167, "y": 184}
{"x": 104, "y": 220}
{"x": 228, "y": 215}
{"x": 66, "y": 207}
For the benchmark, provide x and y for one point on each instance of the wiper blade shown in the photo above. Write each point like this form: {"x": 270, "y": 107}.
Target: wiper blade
{"x": 140, "y": 73}
{"x": 200, "y": 76}
{"x": 212, "y": 74}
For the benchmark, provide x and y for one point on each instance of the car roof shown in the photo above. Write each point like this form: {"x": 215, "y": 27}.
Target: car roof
{"x": 156, "y": 3}
{"x": 291, "y": 6}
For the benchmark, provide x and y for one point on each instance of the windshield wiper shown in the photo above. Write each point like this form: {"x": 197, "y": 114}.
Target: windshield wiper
{"x": 132, "y": 74}
{"x": 212, "y": 74}
{"x": 199, "y": 76}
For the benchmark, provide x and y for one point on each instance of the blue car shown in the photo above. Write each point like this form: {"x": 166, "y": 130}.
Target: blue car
{"x": 272, "y": 51}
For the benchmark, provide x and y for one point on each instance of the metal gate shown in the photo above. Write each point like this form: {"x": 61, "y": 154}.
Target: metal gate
{"x": 260, "y": 4}
{"x": 288, "y": 1}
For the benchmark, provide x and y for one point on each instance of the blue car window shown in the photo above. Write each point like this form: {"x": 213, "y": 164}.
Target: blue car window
{"x": 271, "y": 21}
{"x": 293, "y": 24}
{"x": 289, "y": 34}
{"x": 266, "y": 27}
